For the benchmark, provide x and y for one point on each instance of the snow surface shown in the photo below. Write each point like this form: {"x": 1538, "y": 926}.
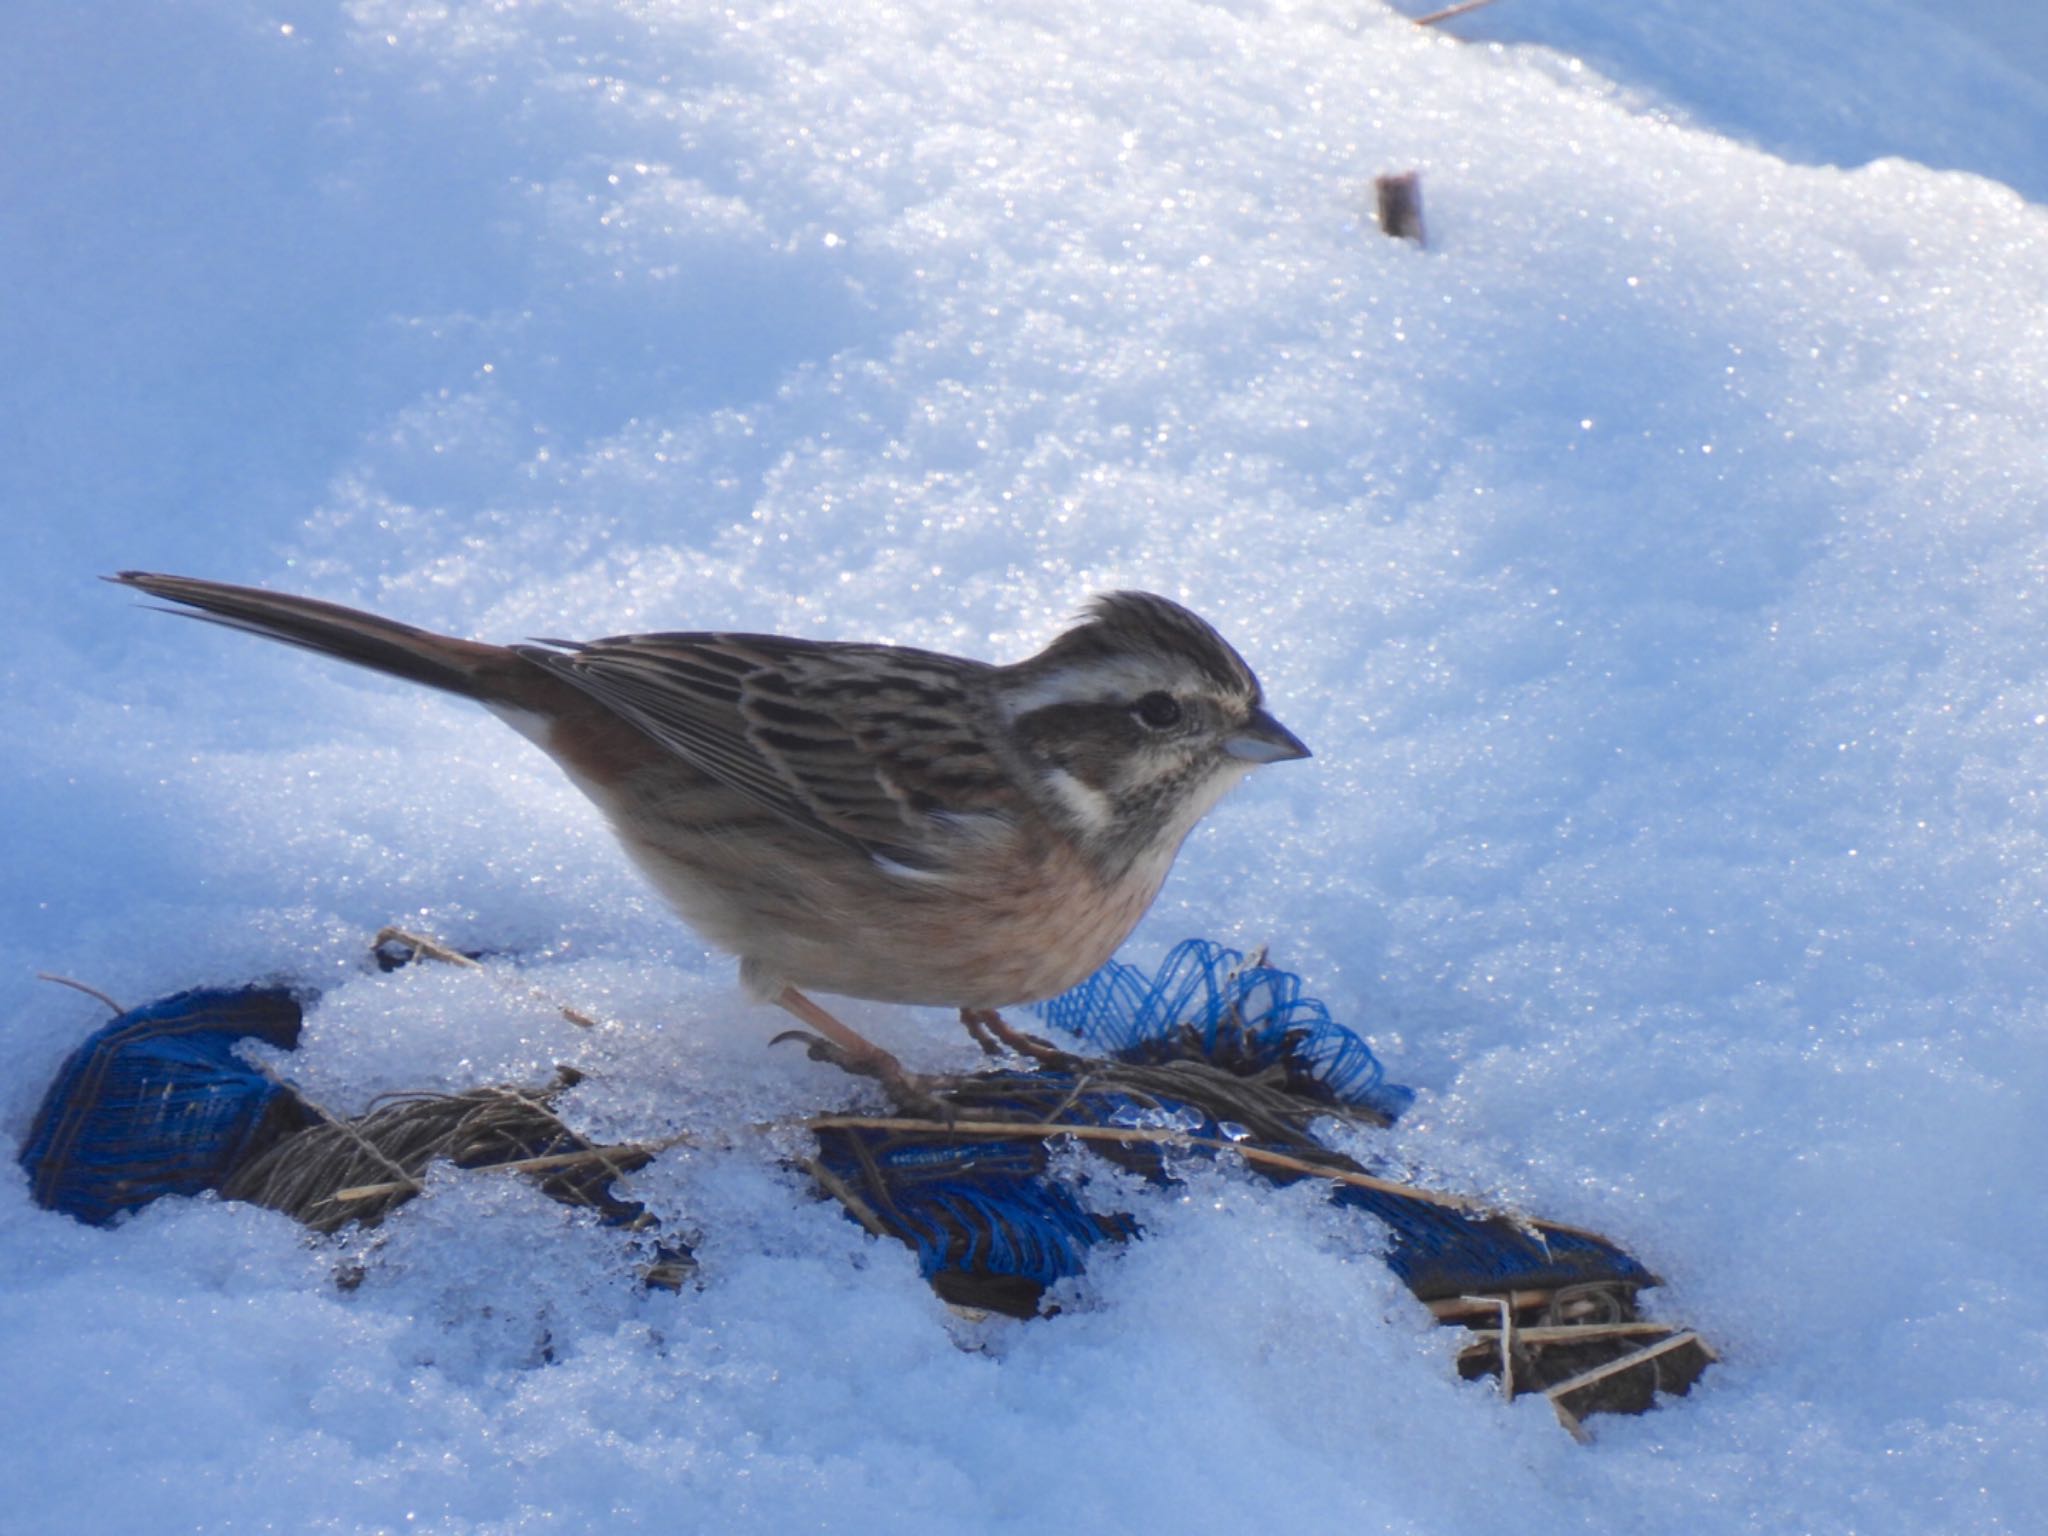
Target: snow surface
{"x": 1656, "y": 563}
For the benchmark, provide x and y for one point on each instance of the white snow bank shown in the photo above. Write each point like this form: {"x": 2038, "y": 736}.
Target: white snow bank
{"x": 1654, "y": 564}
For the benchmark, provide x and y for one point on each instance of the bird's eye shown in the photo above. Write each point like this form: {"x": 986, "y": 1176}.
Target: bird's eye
{"x": 1158, "y": 710}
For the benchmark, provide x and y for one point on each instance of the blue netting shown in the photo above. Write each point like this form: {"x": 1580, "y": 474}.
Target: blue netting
{"x": 990, "y": 1224}
{"x": 158, "y": 1103}
{"x": 1206, "y": 1000}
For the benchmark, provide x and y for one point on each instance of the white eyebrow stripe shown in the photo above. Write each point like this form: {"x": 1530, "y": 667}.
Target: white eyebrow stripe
{"x": 1096, "y": 682}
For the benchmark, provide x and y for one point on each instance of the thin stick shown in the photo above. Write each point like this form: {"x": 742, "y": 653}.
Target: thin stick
{"x": 1565, "y": 1333}
{"x": 603, "y": 1154}
{"x": 1626, "y": 1362}
{"x": 1450, "y": 11}
{"x": 1465, "y": 1306}
{"x": 546, "y": 1164}
{"x": 1571, "y": 1422}
{"x": 1009, "y": 1130}
{"x": 1506, "y": 1335}
{"x": 420, "y": 944}
{"x": 839, "y": 1190}
{"x": 1564, "y": 1389}
{"x": 79, "y": 986}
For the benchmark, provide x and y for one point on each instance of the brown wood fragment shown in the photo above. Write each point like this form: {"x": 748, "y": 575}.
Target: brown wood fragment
{"x": 1399, "y": 205}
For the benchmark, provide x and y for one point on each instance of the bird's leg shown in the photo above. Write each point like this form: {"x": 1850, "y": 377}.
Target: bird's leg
{"x": 975, "y": 1022}
{"x": 851, "y": 1051}
{"x": 986, "y": 1024}
{"x": 850, "y": 1042}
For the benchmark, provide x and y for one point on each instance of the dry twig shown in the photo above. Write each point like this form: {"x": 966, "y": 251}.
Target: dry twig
{"x": 1263, "y": 1157}
{"x": 432, "y": 949}
{"x": 1450, "y": 11}
{"x": 79, "y": 986}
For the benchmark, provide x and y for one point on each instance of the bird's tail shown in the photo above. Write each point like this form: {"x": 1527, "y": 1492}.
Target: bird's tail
{"x": 467, "y": 667}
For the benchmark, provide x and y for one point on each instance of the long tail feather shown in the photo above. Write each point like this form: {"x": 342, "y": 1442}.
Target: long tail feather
{"x": 383, "y": 645}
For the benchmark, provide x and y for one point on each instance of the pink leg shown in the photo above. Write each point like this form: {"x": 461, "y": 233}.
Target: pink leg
{"x": 856, "y": 1053}
{"x": 854, "y": 1044}
{"x": 977, "y": 1031}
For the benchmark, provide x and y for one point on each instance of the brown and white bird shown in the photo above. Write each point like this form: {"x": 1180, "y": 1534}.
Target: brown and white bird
{"x": 868, "y": 820}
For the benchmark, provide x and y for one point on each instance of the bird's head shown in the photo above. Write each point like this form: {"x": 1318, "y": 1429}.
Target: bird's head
{"x": 1134, "y": 722}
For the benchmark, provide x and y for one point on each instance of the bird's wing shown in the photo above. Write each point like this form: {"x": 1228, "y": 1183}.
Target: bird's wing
{"x": 884, "y": 748}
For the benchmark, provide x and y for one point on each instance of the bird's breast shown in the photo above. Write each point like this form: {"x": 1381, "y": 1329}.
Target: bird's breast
{"x": 1025, "y": 928}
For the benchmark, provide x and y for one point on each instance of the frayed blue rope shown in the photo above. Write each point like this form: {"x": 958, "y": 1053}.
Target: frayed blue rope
{"x": 158, "y": 1102}
{"x": 985, "y": 1208}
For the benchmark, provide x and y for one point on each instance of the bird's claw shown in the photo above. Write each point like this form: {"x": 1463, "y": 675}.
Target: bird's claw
{"x": 817, "y": 1047}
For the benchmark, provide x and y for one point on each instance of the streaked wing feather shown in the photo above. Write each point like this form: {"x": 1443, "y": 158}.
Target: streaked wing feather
{"x": 876, "y": 746}
{"x": 676, "y": 689}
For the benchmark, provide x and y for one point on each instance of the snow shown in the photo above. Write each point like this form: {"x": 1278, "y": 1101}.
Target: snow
{"x": 1655, "y": 563}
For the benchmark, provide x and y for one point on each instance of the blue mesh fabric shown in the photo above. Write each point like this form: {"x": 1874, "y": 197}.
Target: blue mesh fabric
{"x": 1206, "y": 998}
{"x": 981, "y": 1214}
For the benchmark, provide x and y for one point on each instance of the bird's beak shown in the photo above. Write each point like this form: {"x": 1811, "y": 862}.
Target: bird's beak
{"x": 1264, "y": 740}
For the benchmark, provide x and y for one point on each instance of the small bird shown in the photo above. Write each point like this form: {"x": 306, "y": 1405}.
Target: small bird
{"x": 868, "y": 820}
